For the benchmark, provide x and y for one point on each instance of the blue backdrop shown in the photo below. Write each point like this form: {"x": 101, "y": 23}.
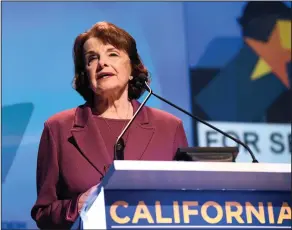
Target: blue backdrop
{"x": 174, "y": 38}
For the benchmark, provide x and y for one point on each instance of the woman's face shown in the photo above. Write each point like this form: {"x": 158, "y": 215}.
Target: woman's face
{"x": 107, "y": 68}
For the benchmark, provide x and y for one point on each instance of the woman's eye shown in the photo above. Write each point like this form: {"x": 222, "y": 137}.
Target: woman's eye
{"x": 113, "y": 54}
{"x": 90, "y": 59}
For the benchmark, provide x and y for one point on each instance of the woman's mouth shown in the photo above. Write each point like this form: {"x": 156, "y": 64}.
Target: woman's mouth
{"x": 104, "y": 75}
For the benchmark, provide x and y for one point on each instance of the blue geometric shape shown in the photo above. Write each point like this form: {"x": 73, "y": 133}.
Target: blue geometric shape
{"x": 15, "y": 119}
{"x": 220, "y": 51}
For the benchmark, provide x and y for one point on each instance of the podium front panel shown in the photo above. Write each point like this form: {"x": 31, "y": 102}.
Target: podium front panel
{"x": 198, "y": 209}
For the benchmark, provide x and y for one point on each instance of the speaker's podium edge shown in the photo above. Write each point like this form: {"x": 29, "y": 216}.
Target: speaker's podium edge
{"x": 180, "y": 175}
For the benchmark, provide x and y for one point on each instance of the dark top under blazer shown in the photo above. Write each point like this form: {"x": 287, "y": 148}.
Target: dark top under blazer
{"x": 72, "y": 156}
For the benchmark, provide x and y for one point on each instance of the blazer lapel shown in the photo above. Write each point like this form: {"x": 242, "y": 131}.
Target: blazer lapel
{"x": 140, "y": 134}
{"x": 89, "y": 140}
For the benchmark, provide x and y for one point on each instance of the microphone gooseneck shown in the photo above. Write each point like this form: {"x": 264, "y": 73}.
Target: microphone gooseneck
{"x": 143, "y": 78}
{"x": 120, "y": 144}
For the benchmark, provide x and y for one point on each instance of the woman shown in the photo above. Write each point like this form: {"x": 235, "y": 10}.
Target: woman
{"x": 77, "y": 145}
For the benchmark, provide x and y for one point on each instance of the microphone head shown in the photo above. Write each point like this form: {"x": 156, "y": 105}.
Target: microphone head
{"x": 119, "y": 149}
{"x": 142, "y": 77}
{"x": 138, "y": 85}
{"x": 140, "y": 81}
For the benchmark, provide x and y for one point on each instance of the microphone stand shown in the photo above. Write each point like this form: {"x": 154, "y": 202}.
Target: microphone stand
{"x": 120, "y": 144}
{"x": 254, "y": 160}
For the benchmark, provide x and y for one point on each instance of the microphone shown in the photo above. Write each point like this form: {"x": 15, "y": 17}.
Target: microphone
{"x": 142, "y": 80}
{"x": 120, "y": 144}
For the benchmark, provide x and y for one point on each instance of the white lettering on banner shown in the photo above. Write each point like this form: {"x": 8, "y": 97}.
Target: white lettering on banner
{"x": 269, "y": 142}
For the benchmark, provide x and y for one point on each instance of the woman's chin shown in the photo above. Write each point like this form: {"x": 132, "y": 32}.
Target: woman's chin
{"x": 107, "y": 89}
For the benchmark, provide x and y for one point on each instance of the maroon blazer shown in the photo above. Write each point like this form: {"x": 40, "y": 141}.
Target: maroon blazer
{"x": 72, "y": 156}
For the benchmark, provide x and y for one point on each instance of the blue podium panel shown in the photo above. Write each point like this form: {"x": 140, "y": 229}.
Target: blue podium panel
{"x": 197, "y": 209}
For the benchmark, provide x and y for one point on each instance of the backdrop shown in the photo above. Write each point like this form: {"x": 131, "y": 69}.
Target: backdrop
{"x": 199, "y": 57}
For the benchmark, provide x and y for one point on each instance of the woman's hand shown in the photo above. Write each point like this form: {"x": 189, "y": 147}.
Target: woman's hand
{"x": 83, "y": 198}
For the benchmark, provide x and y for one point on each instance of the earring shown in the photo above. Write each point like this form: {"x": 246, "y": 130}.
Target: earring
{"x": 131, "y": 78}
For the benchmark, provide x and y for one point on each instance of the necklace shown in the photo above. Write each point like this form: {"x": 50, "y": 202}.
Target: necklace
{"x": 124, "y": 125}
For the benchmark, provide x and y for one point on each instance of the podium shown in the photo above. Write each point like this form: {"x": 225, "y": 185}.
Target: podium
{"x": 190, "y": 195}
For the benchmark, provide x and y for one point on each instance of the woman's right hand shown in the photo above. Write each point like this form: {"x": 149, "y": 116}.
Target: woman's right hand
{"x": 83, "y": 198}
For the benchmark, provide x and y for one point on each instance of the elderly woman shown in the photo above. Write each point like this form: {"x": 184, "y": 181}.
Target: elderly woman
{"x": 77, "y": 145}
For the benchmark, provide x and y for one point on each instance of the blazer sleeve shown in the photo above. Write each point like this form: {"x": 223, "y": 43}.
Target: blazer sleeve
{"x": 49, "y": 212}
{"x": 180, "y": 139}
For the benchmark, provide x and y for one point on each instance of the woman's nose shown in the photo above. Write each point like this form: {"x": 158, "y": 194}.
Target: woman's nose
{"x": 103, "y": 62}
